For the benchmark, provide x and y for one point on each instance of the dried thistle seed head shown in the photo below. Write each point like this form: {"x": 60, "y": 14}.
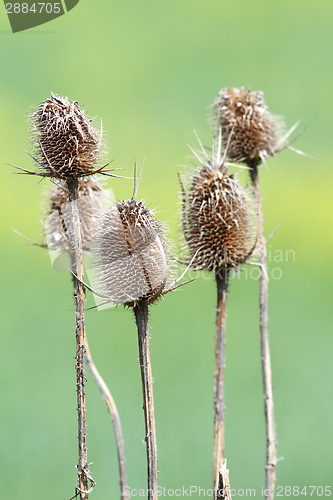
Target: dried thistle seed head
{"x": 217, "y": 217}
{"x": 130, "y": 258}
{"x": 64, "y": 141}
{"x": 250, "y": 132}
{"x": 57, "y": 225}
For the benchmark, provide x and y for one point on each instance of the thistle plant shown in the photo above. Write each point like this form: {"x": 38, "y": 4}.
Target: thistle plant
{"x": 57, "y": 211}
{"x": 251, "y": 134}
{"x": 65, "y": 143}
{"x": 90, "y": 204}
{"x": 132, "y": 269}
{"x": 67, "y": 147}
{"x": 218, "y": 229}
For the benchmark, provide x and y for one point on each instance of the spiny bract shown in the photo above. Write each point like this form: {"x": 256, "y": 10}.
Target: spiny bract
{"x": 64, "y": 141}
{"x": 249, "y": 131}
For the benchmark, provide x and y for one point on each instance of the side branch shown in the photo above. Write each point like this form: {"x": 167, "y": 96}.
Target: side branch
{"x": 115, "y": 420}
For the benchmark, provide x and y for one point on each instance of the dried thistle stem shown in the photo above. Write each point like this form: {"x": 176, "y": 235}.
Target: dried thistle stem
{"x": 221, "y": 277}
{"x": 79, "y": 298}
{"x": 114, "y": 417}
{"x": 141, "y": 319}
{"x": 265, "y": 351}
{"x": 224, "y": 491}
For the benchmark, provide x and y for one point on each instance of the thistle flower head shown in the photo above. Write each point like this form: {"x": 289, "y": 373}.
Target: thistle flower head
{"x": 130, "y": 254}
{"x": 249, "y": 131}
{"x": 57, "y": 225}
{"x": 217, "y": 220}
{"x": 64, "y": 141}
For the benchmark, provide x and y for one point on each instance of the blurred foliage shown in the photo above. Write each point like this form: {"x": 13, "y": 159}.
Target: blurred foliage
{"x": 151, "y": 70}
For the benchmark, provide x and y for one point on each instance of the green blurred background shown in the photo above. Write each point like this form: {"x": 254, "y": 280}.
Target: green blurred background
{"x": 150, "y": 70}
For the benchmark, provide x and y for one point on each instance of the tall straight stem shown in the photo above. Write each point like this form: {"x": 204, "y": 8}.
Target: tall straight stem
{"x": 221, "y": 277}
{"x": 79, "y": 298}
{"x": 141, "y": 319}
{"x": 265, "y": 351}
{"x": 115, "y": 421}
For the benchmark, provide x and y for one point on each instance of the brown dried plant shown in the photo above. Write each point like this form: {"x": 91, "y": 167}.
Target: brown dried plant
{"x": 131, "y": 261}
{"x": 57, "y": 224}
{"x": 131, "y": 258}
{"x": 251, "y": 134}
{"x": 219, "y": 229}
{"x": 91, "y": 200}
{"x": 217, "y": 223}
{"x": 63, "y": 138}
{"x": 67, "y": 147}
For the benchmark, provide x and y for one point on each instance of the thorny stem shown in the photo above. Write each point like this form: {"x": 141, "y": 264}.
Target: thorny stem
{"x": 141, "y": 319}
{"x": 79, "y": 298}
{"x": 114, "y": 417}
{"x": 265, "y": 352}
{"x": 221, "y": 277}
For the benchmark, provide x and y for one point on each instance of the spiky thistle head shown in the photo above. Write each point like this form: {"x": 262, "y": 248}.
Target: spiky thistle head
{"x": 64, "y": 141}
{"x": 130, "y": 254}
{"x": 217, "y": 216}
{"x": 250, "y": 132}
{"x": 58, "y": 221}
